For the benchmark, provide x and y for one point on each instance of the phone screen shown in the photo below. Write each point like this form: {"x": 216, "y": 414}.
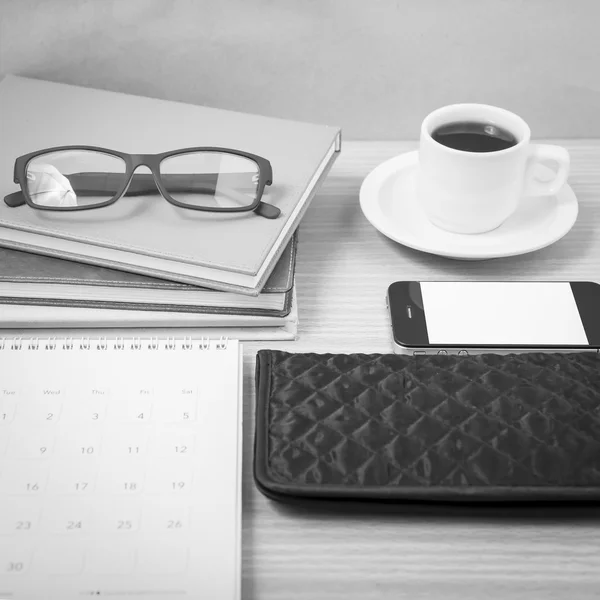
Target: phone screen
{"x": 502, "y": 314}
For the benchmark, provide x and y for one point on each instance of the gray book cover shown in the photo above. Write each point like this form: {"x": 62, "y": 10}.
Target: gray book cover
{"x": 35, "y": 279}
{"x": 146, "y": 234}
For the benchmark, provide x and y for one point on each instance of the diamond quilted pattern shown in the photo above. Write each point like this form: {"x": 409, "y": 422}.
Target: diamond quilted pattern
{"x": 373, "y": 435}
{"x": 361, "y": 420}
{"x": 320, "y": 440}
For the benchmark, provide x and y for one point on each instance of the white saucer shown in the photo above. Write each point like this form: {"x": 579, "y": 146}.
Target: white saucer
{"x": 388, "y": 200}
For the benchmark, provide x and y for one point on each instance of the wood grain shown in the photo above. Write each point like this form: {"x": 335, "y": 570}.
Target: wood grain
{"x": 344, "y": 268}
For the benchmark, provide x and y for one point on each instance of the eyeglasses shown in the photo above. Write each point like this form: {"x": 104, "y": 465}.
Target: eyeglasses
{"x": 68, "y": 178}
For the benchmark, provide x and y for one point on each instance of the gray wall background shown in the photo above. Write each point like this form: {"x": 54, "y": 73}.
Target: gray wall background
{"x": 373, "y": 67}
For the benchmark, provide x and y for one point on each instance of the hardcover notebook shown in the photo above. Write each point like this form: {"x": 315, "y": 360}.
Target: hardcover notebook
{"x": 146, "y": 234}
{"x": 34, "y": 279}
{"x": 116, "y": 479}
{"x": 24, "y": 320}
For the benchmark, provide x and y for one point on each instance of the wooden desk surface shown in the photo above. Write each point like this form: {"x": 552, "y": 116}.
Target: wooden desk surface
{"x": 344, "y": 268}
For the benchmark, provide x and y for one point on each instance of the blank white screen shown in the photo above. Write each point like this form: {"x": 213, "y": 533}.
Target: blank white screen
{"x": 500, "y": 313}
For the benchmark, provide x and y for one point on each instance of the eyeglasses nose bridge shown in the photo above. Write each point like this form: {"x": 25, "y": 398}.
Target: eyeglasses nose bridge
{"x": 143, "y": 160}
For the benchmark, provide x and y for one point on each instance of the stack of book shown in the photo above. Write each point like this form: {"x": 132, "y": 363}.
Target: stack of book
{"x": 147, "y": 264}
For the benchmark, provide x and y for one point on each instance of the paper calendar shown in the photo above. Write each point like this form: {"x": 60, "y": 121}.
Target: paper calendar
{"x": 120, "y": 469}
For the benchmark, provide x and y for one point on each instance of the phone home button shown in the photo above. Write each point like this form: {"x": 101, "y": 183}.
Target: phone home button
{"x": 463, "y": 353}
{"x": 419, "y": 352}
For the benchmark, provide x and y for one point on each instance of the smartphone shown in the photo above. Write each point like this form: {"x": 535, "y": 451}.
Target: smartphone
{"x": 501, "y": 317}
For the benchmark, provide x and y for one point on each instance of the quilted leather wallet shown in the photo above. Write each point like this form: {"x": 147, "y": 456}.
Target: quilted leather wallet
{"x": 429, "y": 428}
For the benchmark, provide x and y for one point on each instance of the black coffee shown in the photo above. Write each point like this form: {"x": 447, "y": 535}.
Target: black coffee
{"x": 473, "y": 136}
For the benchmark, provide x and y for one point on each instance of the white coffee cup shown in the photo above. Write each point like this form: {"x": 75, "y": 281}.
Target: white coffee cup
{"x": 475, "y": 192}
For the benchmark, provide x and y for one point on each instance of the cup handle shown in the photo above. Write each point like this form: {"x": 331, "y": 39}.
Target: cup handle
{"x": 541, "y": 153}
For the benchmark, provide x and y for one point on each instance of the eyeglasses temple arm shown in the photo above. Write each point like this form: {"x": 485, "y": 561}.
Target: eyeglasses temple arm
{"x": 143, "y": 183}
{"x": 268, "y": 211}
{"x": 15, "y": 199}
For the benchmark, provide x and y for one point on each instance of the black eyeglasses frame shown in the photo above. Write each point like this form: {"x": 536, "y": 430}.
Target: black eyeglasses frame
{"x": 152, "y": 161}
